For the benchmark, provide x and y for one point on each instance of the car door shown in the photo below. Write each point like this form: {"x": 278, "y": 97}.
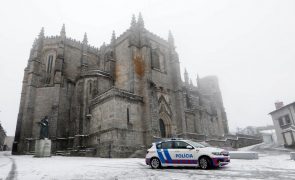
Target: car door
{"x": 184, "y": 154}
{"x": 164, "y": 153}
{"x": 198, "y": 150}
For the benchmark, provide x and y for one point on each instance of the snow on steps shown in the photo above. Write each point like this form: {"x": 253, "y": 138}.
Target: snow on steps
{"x": 62, "y": 153}
{"x": 138, "y": 153}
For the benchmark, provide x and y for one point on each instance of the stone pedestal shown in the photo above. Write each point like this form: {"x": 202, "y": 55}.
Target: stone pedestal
{"x": 292, "y": 155}
{"x": 43, "y": 148}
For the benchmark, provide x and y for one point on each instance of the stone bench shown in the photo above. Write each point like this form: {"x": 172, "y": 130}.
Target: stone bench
{"x": 243, "y": 155}
{"x": 292, "y": 155}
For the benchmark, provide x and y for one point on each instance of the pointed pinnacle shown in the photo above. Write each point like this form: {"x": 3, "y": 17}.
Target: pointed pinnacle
{"x": 140, "y": 21}
{"x": 133, "y": 21}
{"x": 35, "y": 42}
{"x": 85, "y": 40}
{"x": 113, "y": 37}
{"x": 170, "y": 36}
{"x": 198, "y": 81}
{"x": 41, "y": 34}
{"x": 170, "y": 39}
{"x": 186, "y": 78}
{"x": 63, "y": 30}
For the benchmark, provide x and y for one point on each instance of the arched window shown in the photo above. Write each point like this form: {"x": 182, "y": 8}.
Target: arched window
{"x": 49, "y": 63}
{"x": 158, "y": 60}
{"x": 162, "y": 128}
{"x": 155, "y": 60}
{"x": 90, "y": 88}
{"x": 128, "y": 116}
{"x": 162, "y": 62}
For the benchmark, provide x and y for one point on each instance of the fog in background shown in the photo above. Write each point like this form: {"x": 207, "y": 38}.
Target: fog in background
{"x": 249, "y": 45}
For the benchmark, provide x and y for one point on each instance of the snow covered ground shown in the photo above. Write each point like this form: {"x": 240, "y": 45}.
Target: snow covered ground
{"x": 272, "y": 164}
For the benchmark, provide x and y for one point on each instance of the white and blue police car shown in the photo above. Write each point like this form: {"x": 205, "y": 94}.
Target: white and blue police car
{"x": 178, "y": 152}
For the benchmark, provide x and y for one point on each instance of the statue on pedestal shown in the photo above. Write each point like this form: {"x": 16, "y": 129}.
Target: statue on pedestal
{"x": 43, "y": 145}
{"x": 44, "y": 128}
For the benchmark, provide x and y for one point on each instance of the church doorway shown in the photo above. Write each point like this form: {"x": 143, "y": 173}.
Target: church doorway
{"x": 165, "y": 126}
{"x": 162, "y": 128}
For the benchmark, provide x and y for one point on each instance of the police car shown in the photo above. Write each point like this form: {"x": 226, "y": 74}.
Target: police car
{"x": 178, "y": 152}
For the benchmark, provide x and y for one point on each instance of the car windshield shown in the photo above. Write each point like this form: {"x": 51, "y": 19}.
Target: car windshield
{"x": 195, "y": 144}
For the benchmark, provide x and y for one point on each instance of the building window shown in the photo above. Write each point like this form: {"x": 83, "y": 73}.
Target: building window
{"x": 162, "y": 63}
{"x": 281, "y": 122}
{"x": 287, "y": 119}
{"x": 155, "y": 60}
{"x": 128, "y": 117}
{"x": 90, "y": 88}
{"x": 49, "y": 63}
{"x": 188, "y": 102}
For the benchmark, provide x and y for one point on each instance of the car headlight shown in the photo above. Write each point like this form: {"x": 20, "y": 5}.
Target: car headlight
{"x": 216, "y": 153}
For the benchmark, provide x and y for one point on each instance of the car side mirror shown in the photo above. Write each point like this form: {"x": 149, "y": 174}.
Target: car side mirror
{"x": 189, "y": 147}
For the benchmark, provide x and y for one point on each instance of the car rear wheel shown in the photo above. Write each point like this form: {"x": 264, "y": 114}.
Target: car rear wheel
{"x": 204, "y": 163}
{"x": 155, "y": 163}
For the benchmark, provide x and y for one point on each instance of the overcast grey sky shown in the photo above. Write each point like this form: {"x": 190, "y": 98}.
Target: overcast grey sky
{"x": 249, "y": 45}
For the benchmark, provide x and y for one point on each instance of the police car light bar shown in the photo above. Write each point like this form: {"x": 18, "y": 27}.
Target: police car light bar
{"x": 176, "y": 138}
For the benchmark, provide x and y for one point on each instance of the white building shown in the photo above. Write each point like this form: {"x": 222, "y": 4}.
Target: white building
{"x": 284, "y": 122}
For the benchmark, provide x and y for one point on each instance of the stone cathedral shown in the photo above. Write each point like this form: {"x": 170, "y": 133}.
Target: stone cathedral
{"x": 114, "y": 100}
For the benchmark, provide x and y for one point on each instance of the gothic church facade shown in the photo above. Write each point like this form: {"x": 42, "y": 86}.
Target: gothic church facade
{"x": 113, "y": 100}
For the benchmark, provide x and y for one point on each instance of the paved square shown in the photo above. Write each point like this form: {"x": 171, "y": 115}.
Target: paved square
{"x": 272, "y": 164}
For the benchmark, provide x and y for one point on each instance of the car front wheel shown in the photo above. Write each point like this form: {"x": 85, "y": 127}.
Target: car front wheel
{"x": 204, "y": 163}
{"x": 155, "y": 163}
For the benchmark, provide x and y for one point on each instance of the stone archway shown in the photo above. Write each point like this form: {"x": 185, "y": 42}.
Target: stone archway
{"x": 162, "y": 128}
{"x": 165, "y": 125}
